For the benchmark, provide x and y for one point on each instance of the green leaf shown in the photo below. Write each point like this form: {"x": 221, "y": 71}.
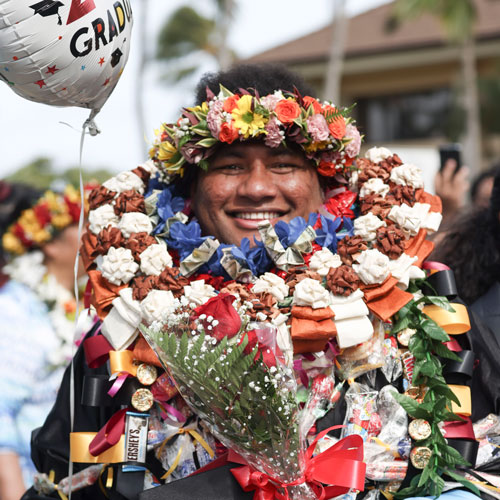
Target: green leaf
{"x": 425, "y": 474}
{"x": 434, "y": 331}
{"x": 401, "y": 324}
{"x": 453, "y": 457}
{"x": 465, "y": 482}
{"x": 443, "y": 351}
{"x": 428, "y": 369}
{"x": 440, "y": 302}
{"x": 207, "y": 143}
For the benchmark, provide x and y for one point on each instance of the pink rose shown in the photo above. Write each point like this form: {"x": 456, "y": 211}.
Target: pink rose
{"x": 318, "y": 128}
{"x": 214, "y": 118}
{"x": 270, "y": 101}
{"x": 352, "y": 149}
{"x": 274, "y": 137}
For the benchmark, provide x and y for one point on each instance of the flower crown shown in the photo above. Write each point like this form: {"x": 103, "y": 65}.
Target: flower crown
{"x": 324, "y": 132}
{"x": 39, "y": 224}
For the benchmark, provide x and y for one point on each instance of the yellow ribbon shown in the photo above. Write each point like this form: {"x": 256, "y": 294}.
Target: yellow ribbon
{"x": 453, "y": 323}
{"x": 122, "y": 361}
{"x": 195, "y": 435}
{"x": 79, "y": 443}
{"x": 462, "y": 392}
{"x": 386, "y": 446}
{"x": 52, "y": 476}
{"x": 99, "y": 481}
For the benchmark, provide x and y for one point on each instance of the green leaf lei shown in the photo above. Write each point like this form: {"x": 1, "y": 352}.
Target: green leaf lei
{"x": 427, "y": 347}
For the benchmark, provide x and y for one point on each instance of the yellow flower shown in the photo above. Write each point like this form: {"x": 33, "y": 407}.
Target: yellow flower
{"x": 12, "y": 244}
{"x": 245, "y": 120}
{"x": 166, "y": 150}
{"x": 40, "y": 236}
{"x": 60, "y": 221}
{"x": 314, "y": 146}
{"x": 203, "y": 107}
{"x": 72, "y": 194}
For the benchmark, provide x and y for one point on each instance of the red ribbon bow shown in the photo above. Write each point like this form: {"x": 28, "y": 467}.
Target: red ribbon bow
{"x": 340, "y": 466}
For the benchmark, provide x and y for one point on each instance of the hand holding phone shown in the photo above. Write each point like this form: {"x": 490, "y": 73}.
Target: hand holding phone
{"x": 448, "y": 152}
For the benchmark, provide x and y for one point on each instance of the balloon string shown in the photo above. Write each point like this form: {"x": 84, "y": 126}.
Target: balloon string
{"x": 93, "y": 130}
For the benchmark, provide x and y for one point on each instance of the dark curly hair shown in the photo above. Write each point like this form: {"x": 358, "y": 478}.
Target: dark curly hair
{"x": 262, "y": 79}
{"x": 472, "y": 248}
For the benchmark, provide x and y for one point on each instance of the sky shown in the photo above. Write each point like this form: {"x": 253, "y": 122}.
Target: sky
{"x": 29, "y": 130}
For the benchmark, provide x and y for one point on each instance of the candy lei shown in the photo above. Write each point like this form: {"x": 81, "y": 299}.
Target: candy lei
{"x": 148, "y": 261}
{"x": 29, "y": 270}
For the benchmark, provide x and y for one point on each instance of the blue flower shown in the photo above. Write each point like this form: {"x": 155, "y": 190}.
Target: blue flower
{"x": 185, "y": 237}
{"x": 167, "y": 206}
{"x": 326, "y": 235}
{"x": 258, "y": 257}
{"x": 154, "y": 183}
{"x": 288, "y": 233}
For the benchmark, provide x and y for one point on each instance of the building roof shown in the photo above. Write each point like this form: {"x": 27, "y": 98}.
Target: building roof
{"x": 367, "y": 34}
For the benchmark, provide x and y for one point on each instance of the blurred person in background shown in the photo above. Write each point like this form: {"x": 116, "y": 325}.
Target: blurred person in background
{"x": 472, "y": 249}
{"x": 39, "y": 241}
{"x": 482, "y": 187}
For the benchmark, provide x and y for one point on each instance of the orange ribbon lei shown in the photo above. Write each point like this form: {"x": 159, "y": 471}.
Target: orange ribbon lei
{"x": 340, "y": 466}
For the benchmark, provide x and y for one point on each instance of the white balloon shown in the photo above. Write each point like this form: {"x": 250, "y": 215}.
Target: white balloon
{"x": 64, "y": 52}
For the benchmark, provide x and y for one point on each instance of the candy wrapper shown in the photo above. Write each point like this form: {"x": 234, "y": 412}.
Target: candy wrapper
{"x": 234, "y": 377}
{"x": 356, "y": 361}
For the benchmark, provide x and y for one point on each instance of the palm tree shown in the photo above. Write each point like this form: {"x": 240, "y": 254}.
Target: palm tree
{"x": 457, "y": 18}
{"x": 336, "y": 57}
{"x": 187, "y": 34}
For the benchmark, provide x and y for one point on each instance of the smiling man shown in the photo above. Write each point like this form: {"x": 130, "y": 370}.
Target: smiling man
{"x": 246, "y": 184}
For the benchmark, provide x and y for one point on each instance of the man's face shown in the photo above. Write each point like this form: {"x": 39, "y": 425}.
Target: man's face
{"x": 249, "y": 183}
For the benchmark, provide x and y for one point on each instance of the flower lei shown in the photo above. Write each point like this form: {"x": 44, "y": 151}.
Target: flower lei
{"x": 38, "y": 225}
{"x": 29, "y": 270}
{"x": 325, "y": 133}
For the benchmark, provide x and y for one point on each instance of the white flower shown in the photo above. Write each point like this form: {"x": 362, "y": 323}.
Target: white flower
{"x": 102, "y": 217}
{"x": 198, "y": 293}
{"x": 135, "y": 222}
{"x": 155, "y": 259}
{"x": 125, "y": 181}
{"x": 118, "y": 266}
{"x": 374, "y": 186}
{"x": 366, "y": 226}
{"x": 351, "y": 306}
{"x": 273, "y": 284}
{"x": 353, "y": 181}
{"x": 372, "y": 267}
{"x": 120, "y": 325}
{"x": 310, "y": 292}
{"x": 28, "y": 269}
{"x": 432, "y": 221}
{"x": 407, "y": 175}
{"x": 149, "y": 166}
{"x": 403, "y": 270}
{"x": 158, "y": 304}
{"x": 409, "y": 219}
{"x": 323, "y": 260}
{"x": 376, "y": 155}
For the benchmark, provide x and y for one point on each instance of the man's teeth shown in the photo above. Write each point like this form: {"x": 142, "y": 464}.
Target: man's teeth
{"x": 257, "y": 215}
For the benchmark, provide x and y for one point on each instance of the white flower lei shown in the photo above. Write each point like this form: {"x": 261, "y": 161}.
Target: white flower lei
{"x": 29, "y": 270}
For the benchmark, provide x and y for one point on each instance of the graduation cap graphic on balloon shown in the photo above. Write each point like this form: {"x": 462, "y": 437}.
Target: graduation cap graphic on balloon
{"x": 115, "y": 57}
{"x": 48, "y": 8}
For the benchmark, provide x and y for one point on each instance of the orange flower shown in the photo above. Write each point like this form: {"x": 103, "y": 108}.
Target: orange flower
{"x": 227, "y": 133}
{"x": 308, "y": 101}
{"x": 287, "y": 110}
{"x": 326, "y": 169}
{"x": 335, "y": 125}
{"x": 230, "y": 103}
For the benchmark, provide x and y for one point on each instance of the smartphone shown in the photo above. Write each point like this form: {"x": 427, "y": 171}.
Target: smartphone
{"x": 447, "y": 151}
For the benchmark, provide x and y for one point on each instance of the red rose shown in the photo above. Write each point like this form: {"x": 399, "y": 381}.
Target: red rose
{"x": 267, "y": 355}
{"x": 287, "y": 111}
{"x": 220, "y": 308}
{"x": 230, "y": 103}
{"x": 311, "y": 101}
{"x": 227, "y": 133}
{"x": 327, "y": 169}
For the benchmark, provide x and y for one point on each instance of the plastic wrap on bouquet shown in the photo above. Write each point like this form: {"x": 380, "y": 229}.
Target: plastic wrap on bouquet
{"x": 238, "y": 383}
